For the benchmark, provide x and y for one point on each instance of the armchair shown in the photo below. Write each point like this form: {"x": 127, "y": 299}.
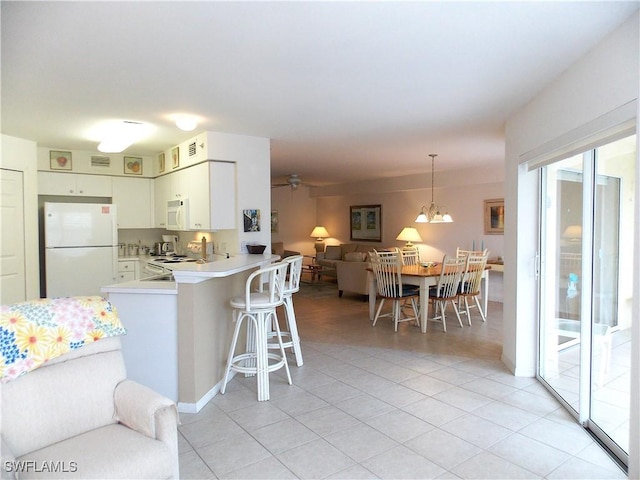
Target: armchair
{"x": 76, "y": 415}
{"x": 277, "y": 248}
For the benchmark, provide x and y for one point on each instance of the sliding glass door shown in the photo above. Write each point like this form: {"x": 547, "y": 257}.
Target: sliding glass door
{"x": 586, "y": 248}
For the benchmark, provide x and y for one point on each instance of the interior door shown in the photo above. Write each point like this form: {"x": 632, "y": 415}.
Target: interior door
{"x": 12, "y": 252}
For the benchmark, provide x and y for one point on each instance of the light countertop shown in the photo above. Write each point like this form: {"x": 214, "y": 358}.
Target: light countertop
{"x": 190, "y": 272}
{"x": 142, "y": 286}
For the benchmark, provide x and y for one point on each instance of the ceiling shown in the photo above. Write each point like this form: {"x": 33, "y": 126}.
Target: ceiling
{"x": 346, "y": 90}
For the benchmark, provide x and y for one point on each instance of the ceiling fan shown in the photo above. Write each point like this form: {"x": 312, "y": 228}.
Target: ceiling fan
{"x": 293, "y": 181}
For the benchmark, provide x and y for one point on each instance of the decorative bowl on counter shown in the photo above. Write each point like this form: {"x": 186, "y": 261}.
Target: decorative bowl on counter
{"x": 427, "y": 264}
{"x": 256, "y": 248}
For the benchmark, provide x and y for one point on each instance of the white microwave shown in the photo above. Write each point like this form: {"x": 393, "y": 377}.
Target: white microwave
{"x": 178, "y": 214}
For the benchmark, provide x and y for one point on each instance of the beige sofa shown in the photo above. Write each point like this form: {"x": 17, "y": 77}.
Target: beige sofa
{"x": 349, "y": 261}
{"x": 77, "y": 416}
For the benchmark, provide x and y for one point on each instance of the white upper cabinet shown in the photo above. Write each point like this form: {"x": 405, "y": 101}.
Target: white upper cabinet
{"x": 162, "y": 187}
{"x": 50, "y": 183}
{"x": 211, "y": 190}
{"x": 134, "y": 198}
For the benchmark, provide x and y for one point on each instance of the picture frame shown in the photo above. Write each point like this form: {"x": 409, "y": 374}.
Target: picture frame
{"x": 251, "y": 220}
{"x": 274, "y": 221}
{"x": 365, "y": 223}
{"x": 100, "y": 161}
{"x": 60, "y": 160}
{"x": 161, "y": 164}
{"x": 494, "y": 216}
{"x": 133, "y": 165}
{"x": 175, "y": 157}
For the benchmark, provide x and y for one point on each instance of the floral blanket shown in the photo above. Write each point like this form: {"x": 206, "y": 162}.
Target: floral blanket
{"x": 34, "y": 332}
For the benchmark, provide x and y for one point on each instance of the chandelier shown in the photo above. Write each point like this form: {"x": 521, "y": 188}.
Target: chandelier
{"x": 433, "y": 214}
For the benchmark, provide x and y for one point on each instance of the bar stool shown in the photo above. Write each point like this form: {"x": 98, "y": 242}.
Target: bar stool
{"x": 259, "y": 307}
{"x": 292, "y": 286}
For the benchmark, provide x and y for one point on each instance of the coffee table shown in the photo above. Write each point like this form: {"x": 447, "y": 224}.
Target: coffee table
{"x": 314, "y": 270}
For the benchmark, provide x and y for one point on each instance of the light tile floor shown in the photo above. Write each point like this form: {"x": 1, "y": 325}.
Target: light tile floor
{"x": 371, "y": 403}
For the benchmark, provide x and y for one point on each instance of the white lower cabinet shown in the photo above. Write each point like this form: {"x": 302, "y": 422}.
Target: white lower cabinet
{"x": 127, "y": 270}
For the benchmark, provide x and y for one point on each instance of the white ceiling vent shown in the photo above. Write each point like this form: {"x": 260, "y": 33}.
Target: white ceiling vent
{"x": 192, "y": 149}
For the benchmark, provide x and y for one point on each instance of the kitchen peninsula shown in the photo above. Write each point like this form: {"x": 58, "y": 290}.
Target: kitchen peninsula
{"x": 192, "y": 321}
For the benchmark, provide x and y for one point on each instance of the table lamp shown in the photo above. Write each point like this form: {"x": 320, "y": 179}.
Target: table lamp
{"x": 319, "y": 233}
{"x": 409, "y": 235}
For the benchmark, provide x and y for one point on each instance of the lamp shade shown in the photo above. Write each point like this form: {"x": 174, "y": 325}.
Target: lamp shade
{"x": 573, "y": 233}
{"x": 422, "y": 217}
{"x": 409, "y": 235}
{"x": 319, "y": 232}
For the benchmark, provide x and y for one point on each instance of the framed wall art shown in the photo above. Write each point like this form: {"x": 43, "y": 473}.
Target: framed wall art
{"x": 366, "y": 222}
{"x": 274, "y": 221}
{"x": 59, "y": 160}
{"x": 494, "y": 216}
{"x": 175, "y": 157}
{"x": 100, "y": 161}
{"x": 161, "y": 163}
{"x": 251, "y": 220}
{"x": 133, "y": 165}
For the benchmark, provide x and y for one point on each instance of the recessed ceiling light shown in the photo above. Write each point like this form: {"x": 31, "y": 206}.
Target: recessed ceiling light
{"x": 187, "y": 123}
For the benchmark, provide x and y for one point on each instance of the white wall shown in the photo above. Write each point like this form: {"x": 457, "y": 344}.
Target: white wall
{"x": 296, "y": 218}
{"x": 597, "y": 84}
{"x": 463, "y": 192}
{"x": 253, "y": 172}
{"x": 21, "y": 155}
{"x": 603, "y": 80}
{"x": 81, "y": 162}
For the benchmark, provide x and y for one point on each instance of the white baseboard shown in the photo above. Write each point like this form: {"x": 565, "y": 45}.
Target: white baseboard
{"x": 517, "y": 372}
{"x": 185, "y": 407}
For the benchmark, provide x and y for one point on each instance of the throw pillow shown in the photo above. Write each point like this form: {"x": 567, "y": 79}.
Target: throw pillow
{"x": 333, "y": 252}
{"x": 347, "y": 248}
{"x": 355, "y": 257}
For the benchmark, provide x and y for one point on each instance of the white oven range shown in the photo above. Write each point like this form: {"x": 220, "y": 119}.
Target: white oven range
{"x": 162, "y": 265}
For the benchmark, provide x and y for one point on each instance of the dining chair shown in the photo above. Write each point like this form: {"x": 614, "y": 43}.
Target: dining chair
{"x": 463, "y": 253}
{"x": 447, "y": 289}
{"x": 387, "y": 268}
{"x": 410, "y": 255}
{"x": 470, "y": 284}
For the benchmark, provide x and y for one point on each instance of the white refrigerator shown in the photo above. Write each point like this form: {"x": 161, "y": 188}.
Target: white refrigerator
{"x": 81, "y": 251}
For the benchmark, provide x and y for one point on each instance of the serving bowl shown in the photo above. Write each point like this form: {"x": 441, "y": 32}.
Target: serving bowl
{"x": 256, "y": 248}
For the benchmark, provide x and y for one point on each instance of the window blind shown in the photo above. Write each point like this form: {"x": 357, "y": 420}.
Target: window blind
{"x": 607, "y": 128}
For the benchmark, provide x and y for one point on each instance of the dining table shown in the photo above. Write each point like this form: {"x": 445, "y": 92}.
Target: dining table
{"x": 424, "y": 277}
